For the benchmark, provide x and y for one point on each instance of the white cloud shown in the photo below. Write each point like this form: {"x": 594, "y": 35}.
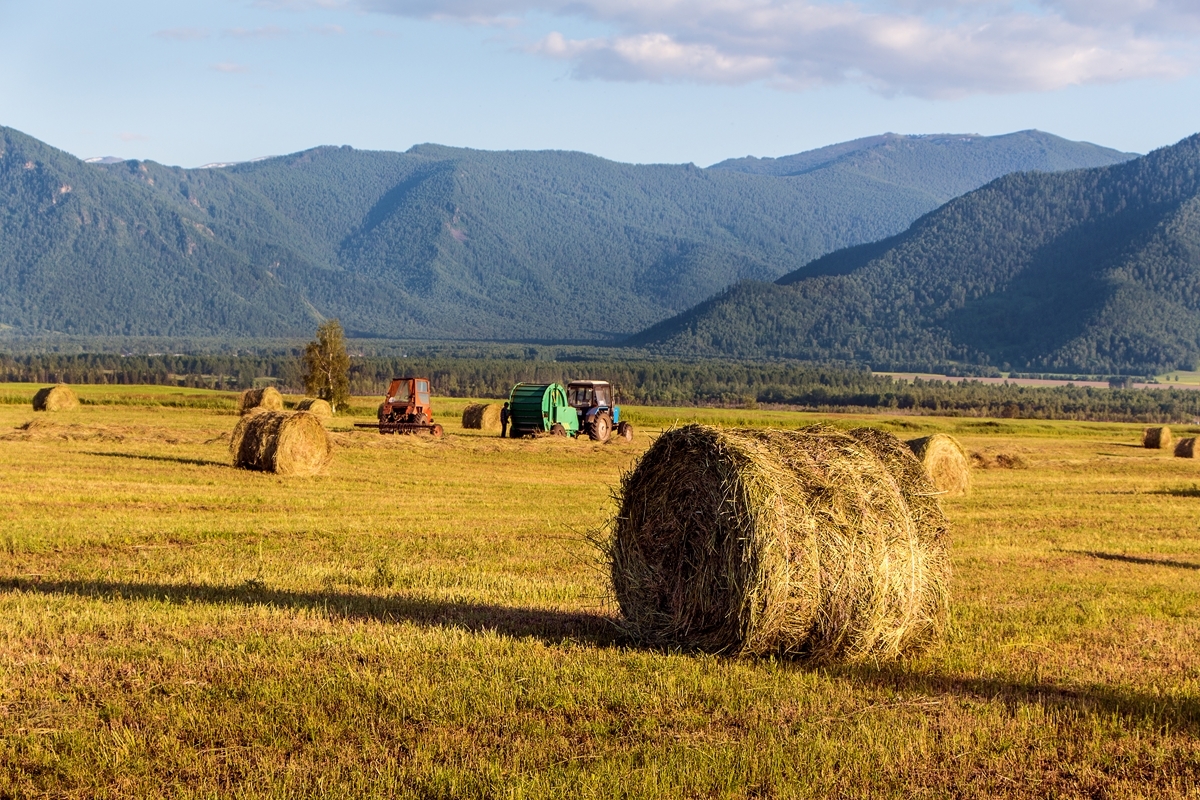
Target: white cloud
{"x": 184, "y": 34}
{"x": 930, "y": 48}
{"x": 266, "y": 32}
{"x": 230, "y": 68}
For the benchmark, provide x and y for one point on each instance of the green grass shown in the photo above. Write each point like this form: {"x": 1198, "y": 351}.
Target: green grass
{"x": 428, "y": 620}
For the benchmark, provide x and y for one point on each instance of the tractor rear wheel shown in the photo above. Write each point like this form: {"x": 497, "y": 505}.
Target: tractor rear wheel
{"x": 625, "y": 431}
{"x": 600, "y": 427}
{"x": 557, "y": 429}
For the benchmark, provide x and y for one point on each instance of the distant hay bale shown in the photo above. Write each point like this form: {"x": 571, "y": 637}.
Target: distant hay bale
{"x": 945, "y": 461}
{"x": 1186, "y": 448}
{"x": 481, "y": 417}
{"x": 1156, "y": 438}
{"x": 998, "y": 461}
{"x": 55, "y": 398}
{"x": 317, "y": 406}
{"x": 267, "y": 398}
{"x": 283, "y": 442}
{"x": 802, "y": 543}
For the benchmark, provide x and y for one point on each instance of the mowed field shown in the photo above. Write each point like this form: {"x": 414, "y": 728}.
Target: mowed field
{"x": 430, "y": 620}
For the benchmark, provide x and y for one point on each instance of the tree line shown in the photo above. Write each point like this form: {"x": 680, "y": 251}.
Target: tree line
{"x": 637, "y": 382}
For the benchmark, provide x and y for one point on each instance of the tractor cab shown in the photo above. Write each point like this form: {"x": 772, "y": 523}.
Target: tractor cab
{"x": 407, "y": 401}
{"x": 593, "y": 401}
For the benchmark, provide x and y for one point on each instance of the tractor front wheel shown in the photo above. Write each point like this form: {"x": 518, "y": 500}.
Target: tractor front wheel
{"x": 625, "y": 430}
{"x": 600, "y": 428}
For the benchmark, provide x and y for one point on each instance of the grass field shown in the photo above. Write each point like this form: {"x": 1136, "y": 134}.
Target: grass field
{"x": 428, "y": 620}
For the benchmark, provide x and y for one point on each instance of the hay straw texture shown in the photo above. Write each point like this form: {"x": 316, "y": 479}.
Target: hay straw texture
{"x": 283, "y": 442}
{"x": 268, "y": 398}
{"x": 1186, "y": 448}
{"x": 55, "y": 398}
{"x": 482, "y": 416}
{"x": 317, "y": 406}
{"x": 802, "y": 543}
{"x": 945, "y": 461}
{"x": 1156, "y": 438}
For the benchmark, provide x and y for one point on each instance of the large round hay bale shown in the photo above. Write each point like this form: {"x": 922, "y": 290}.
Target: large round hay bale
{"x": 267, "y": 398}
{"x": 793, "y": 542}
{"x": 1186, "y": 448}
{"x": 481, "y": 417}
{"x": 1156, "y": 438}
{"x": 945, "y": 461}
{"x": 283, "y": 442}
{"x": 315, "y": 405}
{"x": 55, "y": 398}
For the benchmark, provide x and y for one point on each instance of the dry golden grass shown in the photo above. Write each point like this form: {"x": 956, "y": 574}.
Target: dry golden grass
{"x": 428, "y": 620}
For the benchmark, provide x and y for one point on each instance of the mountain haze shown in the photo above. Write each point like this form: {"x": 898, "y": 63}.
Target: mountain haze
{"x": 1082, "y": 271}
{"x": 442, "y": 242}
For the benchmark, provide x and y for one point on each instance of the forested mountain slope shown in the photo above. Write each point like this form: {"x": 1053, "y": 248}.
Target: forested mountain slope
{"x": 1089, "y": 270}
{"x": 434, "y": 242}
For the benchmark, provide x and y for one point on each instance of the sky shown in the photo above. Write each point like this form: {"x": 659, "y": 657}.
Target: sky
{"x": 191, "y": 82}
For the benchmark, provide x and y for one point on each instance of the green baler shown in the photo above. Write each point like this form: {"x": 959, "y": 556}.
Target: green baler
{"x": 539, "y": 408}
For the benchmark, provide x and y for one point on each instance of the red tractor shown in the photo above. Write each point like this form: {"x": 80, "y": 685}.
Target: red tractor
{"x": 406, "y": 409}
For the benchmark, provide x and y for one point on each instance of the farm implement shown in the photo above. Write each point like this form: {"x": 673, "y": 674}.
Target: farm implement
{"x": 406, "y": 409}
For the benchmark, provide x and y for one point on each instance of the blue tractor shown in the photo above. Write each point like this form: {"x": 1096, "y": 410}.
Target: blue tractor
{"x": 598, "y": 415}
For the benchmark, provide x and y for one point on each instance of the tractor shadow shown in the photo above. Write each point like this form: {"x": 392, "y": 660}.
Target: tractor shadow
{"x": 194, "y": 462}
{"x": 1150, "y": 562}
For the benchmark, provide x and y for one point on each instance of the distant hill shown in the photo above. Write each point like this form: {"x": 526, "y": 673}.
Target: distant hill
{"x": 1083, "y": 271}
{"x": 441, "y": 242}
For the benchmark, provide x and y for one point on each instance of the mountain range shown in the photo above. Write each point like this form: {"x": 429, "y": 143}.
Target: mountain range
{"x": 1094, "y": 270}
{"x": 449, "y": 243}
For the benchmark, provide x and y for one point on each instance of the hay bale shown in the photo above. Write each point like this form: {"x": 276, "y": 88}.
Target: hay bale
{"x": 55, "y": 398}
{"x": 945, "y": 461}
{"x": 800, "y": 543}
{"x": 1186, "y": 448}
{"x": 283, "y": 442}
{"x": 267, "y": 398}
{"x": 482, "y": 417}
{"x": 317, "y": 406}
{"x": 1156, "y": 438}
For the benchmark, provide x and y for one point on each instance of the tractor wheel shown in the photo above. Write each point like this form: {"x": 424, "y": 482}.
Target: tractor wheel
{"x": 625, "y": 431}
{"x": 436, "y": 431}
{"x": 557, "y": 429}
{"x": 421, "y": 419}
{"x": 600, "y": 428}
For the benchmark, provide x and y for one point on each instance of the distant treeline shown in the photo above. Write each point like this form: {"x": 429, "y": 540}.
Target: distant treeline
{"x": 638, "y": 382}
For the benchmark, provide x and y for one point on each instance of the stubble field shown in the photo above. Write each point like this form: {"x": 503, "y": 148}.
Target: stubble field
{"x": 429, "y": 620}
